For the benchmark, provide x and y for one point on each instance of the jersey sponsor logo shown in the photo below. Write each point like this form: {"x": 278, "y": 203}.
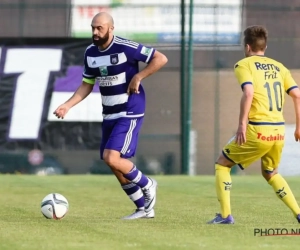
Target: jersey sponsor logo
{"x": 103, "y": 71}
{"x": 37, "y": 90}
{"x": 270, "y": 69}
{"x": 107, "y": 81}
{"x": 266, "y": 66}
{"x": 270, "y": 75}
{"x": 277, "y": 137}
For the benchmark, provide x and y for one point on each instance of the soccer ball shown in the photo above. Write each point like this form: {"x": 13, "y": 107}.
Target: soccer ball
{"x": 54, "y": 206}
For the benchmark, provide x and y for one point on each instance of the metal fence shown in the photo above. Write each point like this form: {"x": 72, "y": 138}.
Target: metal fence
{"x": 216, "y": 47}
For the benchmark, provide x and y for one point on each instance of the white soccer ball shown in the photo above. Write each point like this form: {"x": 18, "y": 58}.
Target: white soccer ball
{"x": 54, "y": 206}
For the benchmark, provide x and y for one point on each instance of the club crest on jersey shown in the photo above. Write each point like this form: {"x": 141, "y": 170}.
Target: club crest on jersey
{"x": 114, "y": 59}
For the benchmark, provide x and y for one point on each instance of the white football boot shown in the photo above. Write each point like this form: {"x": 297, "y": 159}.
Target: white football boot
{"x": 140, "y": 214}
{"x": 150, "y": 195}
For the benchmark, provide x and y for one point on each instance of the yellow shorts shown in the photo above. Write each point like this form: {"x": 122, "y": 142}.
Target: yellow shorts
{"x": 263, "y": 142}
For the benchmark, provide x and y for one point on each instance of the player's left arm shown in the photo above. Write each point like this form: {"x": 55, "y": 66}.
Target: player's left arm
{"x": 156, "y": 63}
{"x": 293, "y": 91}
{"x": 245, "y": 79}
{"x": 155, "y": 60}
{"x": 245, "y": 106}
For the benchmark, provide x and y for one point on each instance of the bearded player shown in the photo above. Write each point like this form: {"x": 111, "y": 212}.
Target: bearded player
{"x": 113, "y": 63}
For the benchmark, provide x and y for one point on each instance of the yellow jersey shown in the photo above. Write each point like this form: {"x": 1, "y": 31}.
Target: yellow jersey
{"x": 270, "y": 80}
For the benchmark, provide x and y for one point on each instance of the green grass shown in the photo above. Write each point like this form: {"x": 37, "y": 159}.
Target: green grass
{"x": 184, "y": 205}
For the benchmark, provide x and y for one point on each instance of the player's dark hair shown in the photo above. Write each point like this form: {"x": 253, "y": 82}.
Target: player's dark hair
{"x": 256, "y": 37}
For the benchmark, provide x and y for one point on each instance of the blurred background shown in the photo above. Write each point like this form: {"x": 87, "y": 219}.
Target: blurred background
{"x": 192, "y": 103}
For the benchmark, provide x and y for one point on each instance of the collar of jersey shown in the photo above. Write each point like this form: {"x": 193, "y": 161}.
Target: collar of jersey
{"x": 111, "y": 43}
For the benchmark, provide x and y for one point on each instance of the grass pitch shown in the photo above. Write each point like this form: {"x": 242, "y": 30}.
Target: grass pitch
{"x": 184, "y": 205}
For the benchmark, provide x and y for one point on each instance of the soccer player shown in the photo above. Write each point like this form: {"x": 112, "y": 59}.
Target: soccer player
{"x": 260, "y": 133}
{"x": 112, "y": 62}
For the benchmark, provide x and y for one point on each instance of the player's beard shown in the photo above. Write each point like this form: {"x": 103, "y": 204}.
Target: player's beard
{"x": 101, "y": 40}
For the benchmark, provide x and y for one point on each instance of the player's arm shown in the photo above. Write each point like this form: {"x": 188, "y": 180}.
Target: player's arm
{"x": 155, "y": 60}
{"x": 156, "y": 63}
{"x": 86, "y": 86}
{"x": 293, "y": 91}
{"x": 245, "y": 79}
{"x": 295, "y": 94}
{"x": 245, "y": 104}
{"x": 80, "y": 94}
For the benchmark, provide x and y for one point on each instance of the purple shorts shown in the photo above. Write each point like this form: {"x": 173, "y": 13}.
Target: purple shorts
{"x": 121, "y": 135}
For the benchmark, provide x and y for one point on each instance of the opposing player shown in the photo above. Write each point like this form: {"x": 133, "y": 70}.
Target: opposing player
{"x": 260, "y": 133}
{"x": 113, "y": 63}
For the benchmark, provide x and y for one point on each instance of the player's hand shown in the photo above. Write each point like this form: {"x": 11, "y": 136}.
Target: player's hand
{"x": 61, "y": 111}
{"x": 240, "y": 137}
{"x": 297, "y": 135}
{"x": 133, "y": 87}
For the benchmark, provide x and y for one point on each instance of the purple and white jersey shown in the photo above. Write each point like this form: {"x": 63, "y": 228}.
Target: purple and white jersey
{"x": 113, "y": 69}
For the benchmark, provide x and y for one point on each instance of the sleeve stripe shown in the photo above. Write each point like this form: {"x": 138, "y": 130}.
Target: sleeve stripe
{"x": 243, "y": 84}
{"x": 129, "y": 45}
{"x": 86, "y": 75}
{"x": 288, "y": 91}
{"x": 89, "y": 81}
{"x": 149, "y": 56}
{"x": 126, "y": 41}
